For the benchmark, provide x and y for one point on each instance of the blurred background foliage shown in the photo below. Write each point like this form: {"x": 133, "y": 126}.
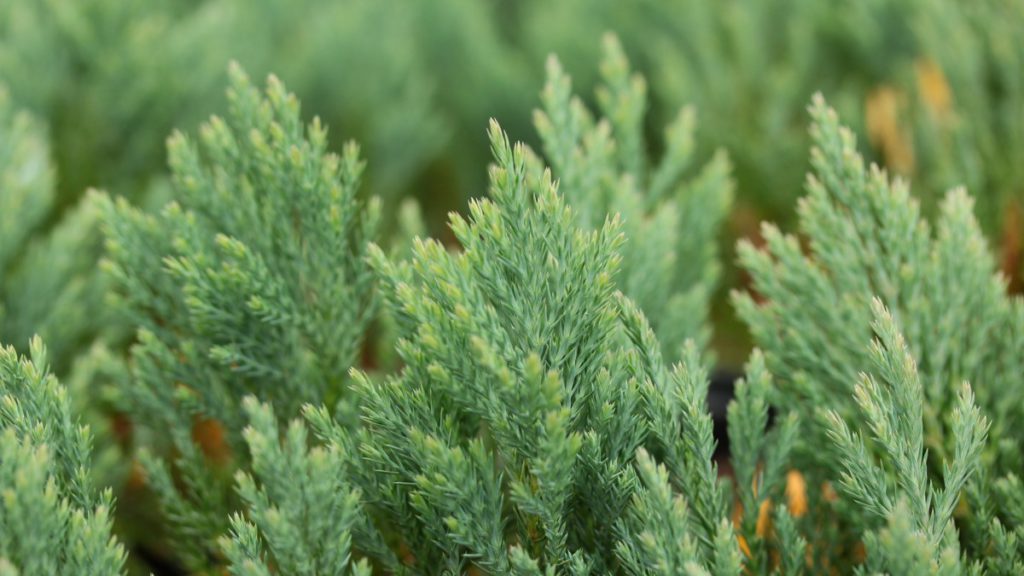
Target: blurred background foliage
{"x": 934, "y": 88}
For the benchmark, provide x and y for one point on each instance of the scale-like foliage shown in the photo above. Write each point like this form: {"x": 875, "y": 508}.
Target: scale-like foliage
{"x": 534, "y": 424}
{"x": 902, "y": 401}
{"x": 891, "y": 401}
{"x": 525, "y": 432}
{"x": 669, "y": 258}
{"x": 866, "y": 239}
{"x": 252, "y": 282}
{"x": 49, "y": 285}
{"x": 52, "y": 520}
{"x": 299, "y": 508}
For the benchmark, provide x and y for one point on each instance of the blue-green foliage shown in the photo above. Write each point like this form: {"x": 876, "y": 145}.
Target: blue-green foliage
{"x": 252, "y": 282}
{"x": 669, "y": 255}
{"x": 532, "y": 422}
{"x": 901, "y": 418}
{"x": 26, "y": 178}
{"x": 61, "y": 300}
{"x": 300, "y": 512}
{"x": 519, "y": 436}
{"x": 52, "y": 519}
{"x": 431, "y": 73}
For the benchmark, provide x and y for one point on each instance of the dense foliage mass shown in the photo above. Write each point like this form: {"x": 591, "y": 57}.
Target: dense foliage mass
{"x": 52, "y": 520}
{"x": 274, "y": 358}
{"x": 253, "y": 282}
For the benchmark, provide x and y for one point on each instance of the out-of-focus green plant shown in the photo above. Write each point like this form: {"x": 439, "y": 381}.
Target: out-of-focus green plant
{"x": 26, "y": 179}
{"x": 968, "y": 118}
{"x": 431, "y": 73}
{"x": 933, "y": 85}
{"x": 49, "y": 285}
{"x": 48, "y": 280}
{"x": 113, "y": 78}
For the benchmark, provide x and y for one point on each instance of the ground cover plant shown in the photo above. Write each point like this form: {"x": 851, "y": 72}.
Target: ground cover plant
{"x": 274, "y": 359}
